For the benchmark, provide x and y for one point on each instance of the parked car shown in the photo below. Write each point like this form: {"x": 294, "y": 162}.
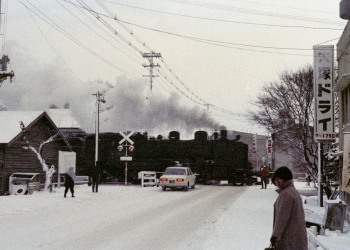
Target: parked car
{"x": 177, "y": 177}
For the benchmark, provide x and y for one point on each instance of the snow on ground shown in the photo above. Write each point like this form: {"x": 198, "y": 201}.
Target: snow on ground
{"x": 244, "y": 224}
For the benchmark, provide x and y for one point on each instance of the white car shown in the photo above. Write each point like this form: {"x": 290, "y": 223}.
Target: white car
{"x": 177, "y": 177}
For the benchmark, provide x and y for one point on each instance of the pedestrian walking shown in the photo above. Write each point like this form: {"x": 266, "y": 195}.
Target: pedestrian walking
{"x": 264, "y": 175}
{"x": 95, "y": 177}
{"x": 289, "y": 227}
{"x": 69, "y": 179}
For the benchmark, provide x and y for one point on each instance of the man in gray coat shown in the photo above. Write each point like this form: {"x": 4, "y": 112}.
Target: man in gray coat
{"x": 289, "y": 227}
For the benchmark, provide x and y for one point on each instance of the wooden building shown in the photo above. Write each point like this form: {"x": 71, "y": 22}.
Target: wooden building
{"x": 20, "y": 129}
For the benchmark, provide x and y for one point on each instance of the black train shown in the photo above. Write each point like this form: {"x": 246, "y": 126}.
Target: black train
{"x": 216, "y": 158}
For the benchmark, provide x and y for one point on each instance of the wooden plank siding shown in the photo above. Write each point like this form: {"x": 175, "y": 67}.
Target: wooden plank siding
{"x": 18, "y": 159}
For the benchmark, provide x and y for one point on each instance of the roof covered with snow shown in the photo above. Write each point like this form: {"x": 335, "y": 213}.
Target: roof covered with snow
{"x": 63, "y": 118}
{"x": 10, "y": 123}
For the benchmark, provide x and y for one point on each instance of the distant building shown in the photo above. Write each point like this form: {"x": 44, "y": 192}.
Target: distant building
{"x": 260, "y": 155}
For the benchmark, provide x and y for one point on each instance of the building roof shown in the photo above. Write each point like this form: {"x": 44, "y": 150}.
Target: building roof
{"x": 63, "y": 118}
{"x": 10, "y": 123}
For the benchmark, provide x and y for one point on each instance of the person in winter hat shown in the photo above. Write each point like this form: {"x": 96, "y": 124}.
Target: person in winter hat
{"x": 69, "y": 179}
{"x": 289, "y": 227}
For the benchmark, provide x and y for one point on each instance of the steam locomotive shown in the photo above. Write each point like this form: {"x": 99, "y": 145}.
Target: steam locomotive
{"x": 211, "y": 157}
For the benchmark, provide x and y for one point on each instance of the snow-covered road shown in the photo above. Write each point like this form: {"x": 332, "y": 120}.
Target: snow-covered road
{"x": 117, "y": 217}
{"x": 132, "y": 217}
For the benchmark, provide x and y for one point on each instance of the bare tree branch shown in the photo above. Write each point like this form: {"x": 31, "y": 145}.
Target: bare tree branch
{"x": 285, "y": 108}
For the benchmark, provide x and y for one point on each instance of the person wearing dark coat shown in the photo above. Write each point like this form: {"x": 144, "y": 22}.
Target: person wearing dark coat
{"x": 69, "y": 179}
{"x": 289, "y": 227}
{"x": 95, "y": 177}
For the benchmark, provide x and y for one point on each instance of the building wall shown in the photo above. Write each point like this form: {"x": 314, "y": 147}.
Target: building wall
{"x": 278, "y": 158}
{"x": 343, "y": 89}
{"x": 19, "y": 159}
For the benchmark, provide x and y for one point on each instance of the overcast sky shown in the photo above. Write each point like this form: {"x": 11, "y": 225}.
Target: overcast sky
{"x": 218, "y": 52}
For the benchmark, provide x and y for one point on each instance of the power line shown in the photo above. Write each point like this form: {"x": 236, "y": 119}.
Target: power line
{"x": 219, "y": 43}
{"x": 95, "y": 32}
{"x": 46, "y": 19}
{"x": 256, "y": 12}
{"x": 223, "y": 20}
{"x": 187, "y": 96}
{"x": 280, "y": 6}
{"x": 191, "y": 37}
{"x": 48, "y": 42}
{"x": 151, "y": 62}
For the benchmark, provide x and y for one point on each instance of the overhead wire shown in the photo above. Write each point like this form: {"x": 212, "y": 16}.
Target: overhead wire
{"x": 223, "y": 20}
{"x": 200, "y": 102}
{"x": 280, "y": 6}
{"x": 172, "y": 83}
{"x": 51, "y": 46}
{"x": 204, "y": 40}
{"x": 95, "y": 32}
{"x": 98, "y": 16}
{"x": 222, "y": 43}
{"x": 47, "y": 20}
{"x": 257, "y": 12}
{"x": 217, "y": 43}
{"x": 122, "y": 25}
{"x": 197, "y": 99}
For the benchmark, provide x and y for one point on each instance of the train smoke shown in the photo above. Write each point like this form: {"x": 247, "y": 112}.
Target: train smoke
{"x": 38, "y": 85}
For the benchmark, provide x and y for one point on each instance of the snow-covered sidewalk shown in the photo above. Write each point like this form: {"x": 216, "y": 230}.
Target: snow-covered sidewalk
{"x": 247, "y": 223}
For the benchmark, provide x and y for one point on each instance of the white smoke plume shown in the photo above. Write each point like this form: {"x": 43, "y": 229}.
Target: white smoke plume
{"x": 37, "y": 85}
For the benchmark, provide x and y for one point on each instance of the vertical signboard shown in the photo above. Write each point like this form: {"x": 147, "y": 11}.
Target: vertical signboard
{"x": 65, "y": 161}
{"x": 323, "y": 92}
{"x": 269, "y": 150}
{"x": 345, "y": 185}
{"x": 254, "y": 143}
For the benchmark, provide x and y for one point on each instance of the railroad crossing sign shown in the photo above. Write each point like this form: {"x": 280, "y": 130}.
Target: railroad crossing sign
{"x": 126, "y": 137}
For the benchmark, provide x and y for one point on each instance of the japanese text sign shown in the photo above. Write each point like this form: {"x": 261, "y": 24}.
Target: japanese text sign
{"x": 323, "y": 92}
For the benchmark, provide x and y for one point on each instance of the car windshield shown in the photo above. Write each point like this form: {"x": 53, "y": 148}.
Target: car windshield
{"x": 175, "y": 171}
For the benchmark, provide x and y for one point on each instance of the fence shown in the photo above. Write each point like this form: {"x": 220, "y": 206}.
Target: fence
{"x": 148, "y": 178}
{"x": 313, "y": 242}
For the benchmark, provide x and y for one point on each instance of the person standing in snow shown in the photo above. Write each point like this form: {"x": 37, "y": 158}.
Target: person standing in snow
{"x": 95, "y": 177}
{"x": 289, "y": 227}
{"x": 69, "y": 179}
{"x": 264, "y": 173}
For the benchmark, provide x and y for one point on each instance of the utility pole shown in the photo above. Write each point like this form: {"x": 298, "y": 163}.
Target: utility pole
{"x": 99, "y": 99}
{"x": 151, "y": 65}
{"x": 4, "y": 59}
